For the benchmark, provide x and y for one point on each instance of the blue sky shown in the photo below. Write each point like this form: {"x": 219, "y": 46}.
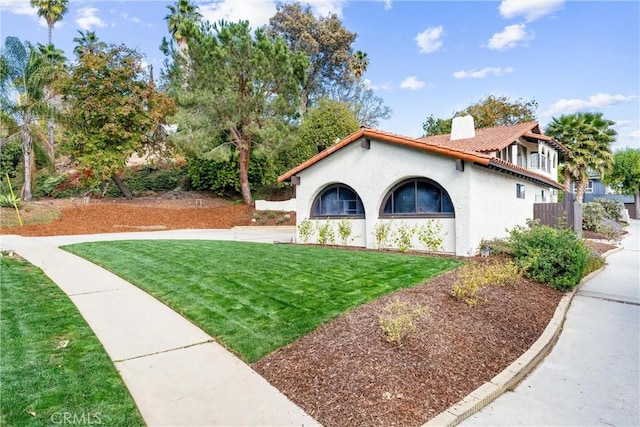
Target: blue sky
{"x": 426, "y": 57}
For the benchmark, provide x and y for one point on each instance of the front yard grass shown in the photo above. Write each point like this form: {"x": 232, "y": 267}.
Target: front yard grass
{"x": 258, "y": 297}
{"x": 53, "y": 369}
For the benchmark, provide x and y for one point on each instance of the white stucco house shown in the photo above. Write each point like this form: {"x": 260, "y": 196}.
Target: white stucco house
{"x": 474, "y": 183}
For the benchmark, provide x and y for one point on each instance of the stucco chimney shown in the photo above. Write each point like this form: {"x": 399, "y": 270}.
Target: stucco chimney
{"x": 462, "y": 128}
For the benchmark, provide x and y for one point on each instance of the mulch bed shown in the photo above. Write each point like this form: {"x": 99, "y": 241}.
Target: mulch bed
{"x": 346, "y": 373}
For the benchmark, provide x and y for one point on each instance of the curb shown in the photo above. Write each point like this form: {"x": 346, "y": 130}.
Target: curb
{"x": 509, "y": 378}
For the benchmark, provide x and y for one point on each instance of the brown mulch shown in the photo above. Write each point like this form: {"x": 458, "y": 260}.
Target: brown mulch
{"x": 345, "y": 373}
{"x": 163, "y": 212}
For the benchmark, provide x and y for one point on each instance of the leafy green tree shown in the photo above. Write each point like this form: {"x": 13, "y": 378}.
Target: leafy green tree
{"x": 324, "y": 125}
{"x": 24, "y": 74}
{"x": 239, "y": 87}
{"x": 434, "y": 126}
{"x": 110, "y": 111}
{"x": 588, "y": 136}
{"x": 489, "y": 112}
{"x": 52, "y": 11}
{"x": 324, "y": 40}
{"x": 624, "y": 175}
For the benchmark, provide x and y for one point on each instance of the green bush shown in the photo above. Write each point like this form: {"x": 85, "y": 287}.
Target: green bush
{"x": 150, "y": 178}
{"x": 593, "y": 215}
{"x": 612, "y": 208}
{"x": 47, "y": 184}
{"x": 10, "y": 158}
{"x": 594, "y": 262}
{"x": 549, "y": 255}
{"x": 223, "y": 177}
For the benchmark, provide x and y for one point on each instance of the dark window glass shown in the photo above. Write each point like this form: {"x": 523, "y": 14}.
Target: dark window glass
{"x": 417, "y": 197}
{"x": 338, "y": 201}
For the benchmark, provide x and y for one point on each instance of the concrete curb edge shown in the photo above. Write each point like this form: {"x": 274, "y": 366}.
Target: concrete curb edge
{"x": 509, "y": 378}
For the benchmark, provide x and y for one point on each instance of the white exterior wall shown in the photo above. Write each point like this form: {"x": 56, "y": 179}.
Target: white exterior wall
{"x": 495, "y": 206}
{"x": 372, "y": 173}
{"x": 484, "y": 201}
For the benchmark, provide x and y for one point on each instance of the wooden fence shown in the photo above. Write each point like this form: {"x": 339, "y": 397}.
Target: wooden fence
{"x": 567, "y": 214}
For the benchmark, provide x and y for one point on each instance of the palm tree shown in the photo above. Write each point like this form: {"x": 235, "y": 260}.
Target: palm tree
{"x": 359, "y": 64}
{"x": 87, "y": 42}
{"x": 588, "y": 136}
{"x": 51, "y": 10}
{"x": 24, "y": 75}
{"x": 182, "y": 14}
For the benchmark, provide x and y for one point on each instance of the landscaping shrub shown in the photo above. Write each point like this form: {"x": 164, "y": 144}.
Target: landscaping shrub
{"x": 345, "y": 230}
{"x": 593, "y": 215}
{"x": 382, "y": 232}
{"x": 548, "y": 255}
{"x": 594, "y": 262}
{"x": 151, "y": 178}
{"x": 472, "y": 277}
{"x": 305, "y": 230}
{"x": 431, "y": 236}
{"x": 223, "y": 177}
{"x": 326, "y": 234}
{"x": 612, "y": 208}
{"x": 398, "y": 321}
{"x": 10, "y": 158}
{"x": 496, "y": 246}
{"x": 47, "y": 184}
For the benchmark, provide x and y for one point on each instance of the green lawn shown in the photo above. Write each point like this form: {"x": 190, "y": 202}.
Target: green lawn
{"x": 41, "y": 381}
{"x": 259, "y": 297}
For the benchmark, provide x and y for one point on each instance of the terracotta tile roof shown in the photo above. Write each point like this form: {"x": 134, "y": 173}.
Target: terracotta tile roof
{"x": 435, "y": 144}
{"x": 493, "y": 139}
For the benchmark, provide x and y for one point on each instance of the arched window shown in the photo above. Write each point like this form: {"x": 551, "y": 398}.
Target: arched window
{"x": 417, "y": 197}
{"x": 337, "y": 200}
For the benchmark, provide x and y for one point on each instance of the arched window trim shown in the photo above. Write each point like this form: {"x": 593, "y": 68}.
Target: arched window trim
{"x": 443, "y": 192}
{"x": 330, "y": 187}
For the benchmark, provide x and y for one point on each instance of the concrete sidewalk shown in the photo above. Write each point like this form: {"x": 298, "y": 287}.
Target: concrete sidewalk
{"x": 591, "y": 377}
{"x": 177, "y": 374}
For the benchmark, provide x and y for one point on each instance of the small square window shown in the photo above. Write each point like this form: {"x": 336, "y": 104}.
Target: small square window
{"x": 520, "y": 191}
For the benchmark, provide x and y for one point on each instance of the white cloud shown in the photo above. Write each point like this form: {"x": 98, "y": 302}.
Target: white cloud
{"x": 135, "y": 19}
{"x": 257, "y": 12}
{"x": 530, "y": 9}
{"x": 325, "y": 7}
{"x": 388, "y": 4}
{"x": 412, "y": 83}
{"x": 382, "y": 86}
{"x": 635, "y": 134}
{"x": 509, "y": 37}
{"x": 87, "y": 18}
{"x": 599, "y": 100}
{"x": 622, "y": 123}
{"x": 430, "y": 39}
{"x": 18, "y": 7}
{"x": 481, "y": 74}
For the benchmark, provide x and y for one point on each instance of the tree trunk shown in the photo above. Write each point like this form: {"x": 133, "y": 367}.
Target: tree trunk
{"x": 245, "y": 154}
{"x": 636, "y": 199}
{"x": 27, "y": 154}
{"x": 121, "y": 186}
{"x": 580, "y": 187}
{"x": 50, "y": 127}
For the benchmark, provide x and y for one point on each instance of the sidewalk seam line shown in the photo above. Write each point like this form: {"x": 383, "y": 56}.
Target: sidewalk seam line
{"x": 165, "y": 351}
